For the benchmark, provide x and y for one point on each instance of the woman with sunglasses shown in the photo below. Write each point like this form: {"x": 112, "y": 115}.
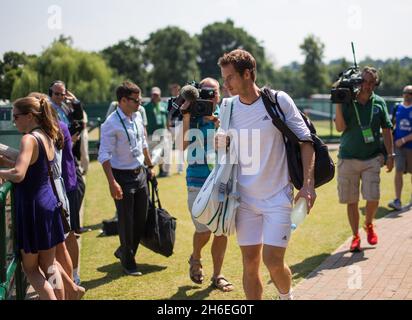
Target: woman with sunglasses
{"x": 39, "y": 226}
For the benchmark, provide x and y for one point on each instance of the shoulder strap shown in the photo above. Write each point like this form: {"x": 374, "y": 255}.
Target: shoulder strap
{"x": 272, "y": 105}
{"x": 226, "y": 113}
{"x": 41, "y": 145}
{"x": 155, "y": 192}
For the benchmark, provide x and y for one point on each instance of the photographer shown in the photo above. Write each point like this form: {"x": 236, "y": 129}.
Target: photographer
{"x": 360, "y": 155}
{"x": 70, "y": 112}
{"x": 196, "y": 175}
{"x": 58, "y": 98}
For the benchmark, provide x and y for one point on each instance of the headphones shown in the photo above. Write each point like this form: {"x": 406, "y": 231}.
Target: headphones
{"x": 53, "y": 83}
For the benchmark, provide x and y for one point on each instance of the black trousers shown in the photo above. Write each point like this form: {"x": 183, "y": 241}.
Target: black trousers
{"x": 132, "y": 212}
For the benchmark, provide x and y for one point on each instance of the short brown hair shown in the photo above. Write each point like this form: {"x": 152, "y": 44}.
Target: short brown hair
{"x": 373, "y": 72}
{"x": 241, "y": 60}
{"x": 126, "y": 89}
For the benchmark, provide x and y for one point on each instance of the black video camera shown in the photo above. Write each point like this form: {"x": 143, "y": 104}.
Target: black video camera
{"x": 347, "y": 86}
{"x": 76, "y": 117}
{"x": 201, "y": 103}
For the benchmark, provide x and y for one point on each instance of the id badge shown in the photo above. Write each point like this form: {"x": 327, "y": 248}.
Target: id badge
{"x": 367, "y": 135}
{"x": 159, "y": 119}
{"x": 135, "y": 152}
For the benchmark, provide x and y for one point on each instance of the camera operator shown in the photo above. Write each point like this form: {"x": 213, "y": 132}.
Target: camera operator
{"x": 58, "y": 98}
{"x": 197, "y": 172}
{"x": 70, "y": 112}
{"x": 360, "y": 155}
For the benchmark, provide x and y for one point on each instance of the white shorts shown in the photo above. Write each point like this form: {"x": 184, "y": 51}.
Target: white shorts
{"x": 265, "y": 221}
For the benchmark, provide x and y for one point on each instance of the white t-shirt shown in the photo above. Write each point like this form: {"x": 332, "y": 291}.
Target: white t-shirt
{"x": 260, "y": 146}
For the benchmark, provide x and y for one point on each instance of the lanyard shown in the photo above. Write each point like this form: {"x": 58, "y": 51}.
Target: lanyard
{"x": 124, "y": 127}
{"x": 357, "y": 113}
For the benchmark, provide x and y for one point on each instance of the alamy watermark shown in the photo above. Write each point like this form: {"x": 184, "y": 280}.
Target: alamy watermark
{"x": 55, "y": 19}
{"x": 355, "y": 278}
{"x": 244, "y": 148}
{"x": 355, "y": 17}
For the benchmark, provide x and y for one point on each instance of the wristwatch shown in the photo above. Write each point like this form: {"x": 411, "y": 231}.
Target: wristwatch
{"x": 391, "y": 155}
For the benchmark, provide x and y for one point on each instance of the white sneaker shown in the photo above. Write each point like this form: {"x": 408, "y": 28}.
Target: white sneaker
{"x": 76, "y": 279}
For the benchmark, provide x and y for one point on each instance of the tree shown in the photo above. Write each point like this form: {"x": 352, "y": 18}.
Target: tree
{"x": 334, "y": 68}
{"x": 221, "y": 37}
{"x": 10, "y": 69}
{"x": 171, "y": 55}
{"x": 394, "y": 78}
{"x": 126, "y": 57}
{"x": 85, "y": 74}
{"x": 314, "y": 72}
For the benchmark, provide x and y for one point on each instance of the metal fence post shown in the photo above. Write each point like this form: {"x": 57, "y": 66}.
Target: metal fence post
{"x": 12, "y": 272}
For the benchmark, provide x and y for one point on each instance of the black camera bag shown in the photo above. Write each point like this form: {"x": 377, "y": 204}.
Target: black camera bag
{"x": 160, "y": 231}
{"x": 324, "y": 166}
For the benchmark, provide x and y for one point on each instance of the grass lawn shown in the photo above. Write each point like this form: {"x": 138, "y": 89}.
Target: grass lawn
{"x": 167, "y": 278}
{"x": 323, "y": 128}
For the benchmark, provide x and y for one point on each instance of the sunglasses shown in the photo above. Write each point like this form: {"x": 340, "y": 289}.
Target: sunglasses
{"x": 58, "y": 94}
{"x": 17, "y": 115}
{"x": 407, "y": 92}
{"x": 134, "y": 100}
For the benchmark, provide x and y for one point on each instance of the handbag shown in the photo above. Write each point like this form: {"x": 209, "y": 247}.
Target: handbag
{"x": 324, "y": 165}
{"x": 160, "y": 230}
{"x": 63, "y": 213}
{"x": 216, "y": 203}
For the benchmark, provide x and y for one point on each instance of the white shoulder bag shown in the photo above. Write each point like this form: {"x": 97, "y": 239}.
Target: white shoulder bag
{"x": 216, "y": 204}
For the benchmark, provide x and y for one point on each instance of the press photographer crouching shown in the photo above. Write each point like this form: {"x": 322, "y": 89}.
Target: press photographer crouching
{"x": 360, "y": 114}
{"x": 197, "y": 104}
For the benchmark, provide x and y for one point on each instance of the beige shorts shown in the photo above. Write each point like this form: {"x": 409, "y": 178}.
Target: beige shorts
{"x": 403, "y": 160}
{"x": 351, "y": 172}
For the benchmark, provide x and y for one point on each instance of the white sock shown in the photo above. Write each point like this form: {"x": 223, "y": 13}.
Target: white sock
{"x": 286, "y": 296}
{"x": 75, "y": 274}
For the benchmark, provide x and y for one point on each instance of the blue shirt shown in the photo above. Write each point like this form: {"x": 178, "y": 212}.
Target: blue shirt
{"x": 60, "y": 112}
{"x": 198, "y": 169}
{"x": 403, "y": 127}
{"x": 114, "y": 142}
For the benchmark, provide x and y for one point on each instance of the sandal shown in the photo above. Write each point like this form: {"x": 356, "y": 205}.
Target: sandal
{"x": 196, "y": 270}
{"x": 222, "y": 284}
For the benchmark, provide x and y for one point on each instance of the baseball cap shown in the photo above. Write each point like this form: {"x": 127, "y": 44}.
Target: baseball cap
{"x": 156, "y": 90}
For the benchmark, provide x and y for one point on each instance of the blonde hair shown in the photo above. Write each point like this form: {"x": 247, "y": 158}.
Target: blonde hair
{"x": 38, "y": 105}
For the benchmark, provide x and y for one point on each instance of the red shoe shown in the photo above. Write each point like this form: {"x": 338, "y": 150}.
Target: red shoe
{"x": 372, "y": 236}
{"x": 355, "y": 245}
